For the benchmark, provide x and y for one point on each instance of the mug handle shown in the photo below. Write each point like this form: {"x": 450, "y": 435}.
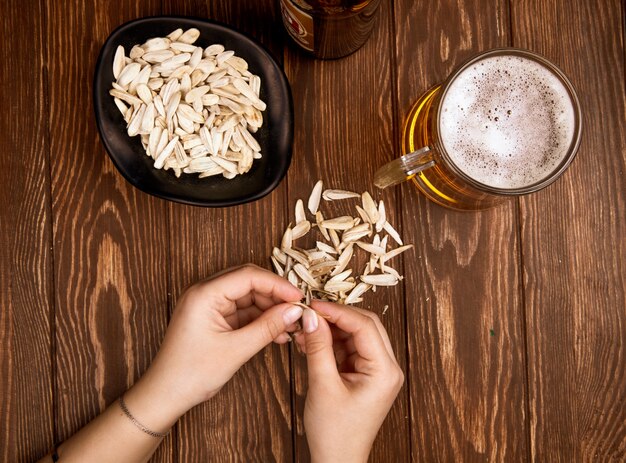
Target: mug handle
{"x": 404, "y": 168}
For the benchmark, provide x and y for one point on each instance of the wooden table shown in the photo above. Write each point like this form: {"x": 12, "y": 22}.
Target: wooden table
{"x": 510, "y": 324}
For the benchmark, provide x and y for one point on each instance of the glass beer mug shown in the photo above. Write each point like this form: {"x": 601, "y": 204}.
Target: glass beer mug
{"x": 506, "y": 123}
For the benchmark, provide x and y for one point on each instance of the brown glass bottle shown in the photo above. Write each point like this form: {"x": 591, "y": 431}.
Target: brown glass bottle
{"x": 329, "y": 28}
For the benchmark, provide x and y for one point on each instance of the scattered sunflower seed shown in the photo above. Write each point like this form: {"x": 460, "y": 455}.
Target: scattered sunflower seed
{"x": 323, "y": 272}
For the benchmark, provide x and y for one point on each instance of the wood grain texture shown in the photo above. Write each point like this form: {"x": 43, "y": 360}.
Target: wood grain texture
{"x": 574, "y": 251}
{"x": 91, "y": 267}
{"x": 110, "y": 240}
{"x": 343, "y": 131}
{"x": 250, "y": 419}
{"x": 25, "y": 228}
{"x": 467, "y": 390}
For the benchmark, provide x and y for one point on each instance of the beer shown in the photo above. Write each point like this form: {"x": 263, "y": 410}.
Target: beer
{"x": 329, "y": 28}
{"x": 506, "y": 123}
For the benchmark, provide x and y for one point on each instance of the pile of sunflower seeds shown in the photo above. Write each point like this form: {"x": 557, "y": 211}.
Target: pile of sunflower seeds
{"x": 324, "y": 272}
{"x": 195, "y": 109}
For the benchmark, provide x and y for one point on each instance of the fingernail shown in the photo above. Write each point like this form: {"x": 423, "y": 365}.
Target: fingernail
{"x": 309, "y": 320}
{"x": 292, "y": 315}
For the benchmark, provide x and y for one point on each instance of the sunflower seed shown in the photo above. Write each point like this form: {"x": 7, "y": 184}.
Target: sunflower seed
{"x": 372, "y": 249}
{"x": 339, "y": 223}
{"x": 393, "y": 233}
{"x": 134, "y": 126}
{"x": 128, "y": 73}
{"x": 156, "y": 44}
{"x": 157, "y": 56}
{"x": 136, "y": 52}
{"x": 163, "y": 155}
{"x": 341, "y": 276}
{"x": 337, "y": 286}
{"x": 369, "y": 206}
{"x": 334, "y": 195}
{"x": 380, "y": 280}
{"x": 279, "y": 270}
{"x": 357, "y": 292}
{"x": 213, "y": 50}
{"x": 306, "y": 276}
{"x": 121, "y": 106}
{"x": 174, "y": 35}
{"x": 300, "y": 216}
{"x": 293, "y": 278}
{"x": 301, "y": 229}
{"x": 287, "y": 240}
{"x": 314, "y": 198}
{"x": 326, "y": 248}
{"x": 119, "y": 61}
{"x": 394, "y": 252}
{"x": 382, "y": 216}
{"x": 189, "y": 36}
{"x": 297, "y": 256}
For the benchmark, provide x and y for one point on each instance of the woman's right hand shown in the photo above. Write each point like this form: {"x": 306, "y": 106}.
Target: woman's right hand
{"x": 353, "y": 380}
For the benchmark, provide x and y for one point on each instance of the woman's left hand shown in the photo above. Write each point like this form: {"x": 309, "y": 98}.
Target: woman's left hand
{"x": 217, "y": 326}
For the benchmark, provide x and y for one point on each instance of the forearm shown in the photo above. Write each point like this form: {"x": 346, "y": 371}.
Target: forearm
{"x": 113, "y": 437}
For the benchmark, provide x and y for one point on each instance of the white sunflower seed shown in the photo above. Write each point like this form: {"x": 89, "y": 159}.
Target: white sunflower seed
{"x": 189, "y": 36}
{"x": 119, "y": 61}
{"x": 279, "y": 270}
{"x": 314, "y": 198}
{"x": 393, "y": 233}
{"x": 394, "y": 252}
{"x": 382, "y": 216}
{"x": 334, "y": 195}
{"x": 163, "y": 155}
{"x": 339, "y": 223}
{"x": 128, "y": 73}
{"x": 301, "y": 229}
{"x": 370, "y": 208}
{"x": 356, "y": 293}
{"x": 299, "y": 213}
{"x": 174, "y": 35}
{"x": 380, "y": 280}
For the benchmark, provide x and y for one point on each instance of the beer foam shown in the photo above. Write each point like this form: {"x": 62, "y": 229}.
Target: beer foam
{"x": 507, "y": 122}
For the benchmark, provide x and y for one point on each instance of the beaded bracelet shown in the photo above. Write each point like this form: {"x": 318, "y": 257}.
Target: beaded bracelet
{"x": 137, "y": 423}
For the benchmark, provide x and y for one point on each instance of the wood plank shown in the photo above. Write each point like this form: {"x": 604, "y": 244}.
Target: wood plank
{"x": 25, "y": 226}
{"x": 110, "y": 240}
{"x": 250, "y": 419}
{"x": 465, "y": 337}
{"x": 344, "y": 128}
{"x": 573, "y": 244}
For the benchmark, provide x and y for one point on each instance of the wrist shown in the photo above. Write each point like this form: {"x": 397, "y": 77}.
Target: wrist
{"x": 154, "y": 403}
{"x": 343, "y": 454}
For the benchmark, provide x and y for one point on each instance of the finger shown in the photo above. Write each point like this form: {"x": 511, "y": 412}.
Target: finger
{"x": 380, "y": 326}
{"x": 319, "y": 348}
{"x": 263, "y": 330}
{"x": 367, "y": 339}
{"x": 234, "y": 285}
{"x": 282, "y": 338}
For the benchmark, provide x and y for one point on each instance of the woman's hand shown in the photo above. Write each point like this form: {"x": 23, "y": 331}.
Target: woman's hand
{"x": 217, "y": 326}
{"x": 353, "y": 380}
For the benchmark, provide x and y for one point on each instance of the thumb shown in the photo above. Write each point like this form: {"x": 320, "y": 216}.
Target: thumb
{"x": 319, "y": 347}
{"x": 259, "y": 333}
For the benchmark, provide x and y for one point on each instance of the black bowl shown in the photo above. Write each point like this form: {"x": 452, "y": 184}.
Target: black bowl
{"x": 275, "y": 136}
